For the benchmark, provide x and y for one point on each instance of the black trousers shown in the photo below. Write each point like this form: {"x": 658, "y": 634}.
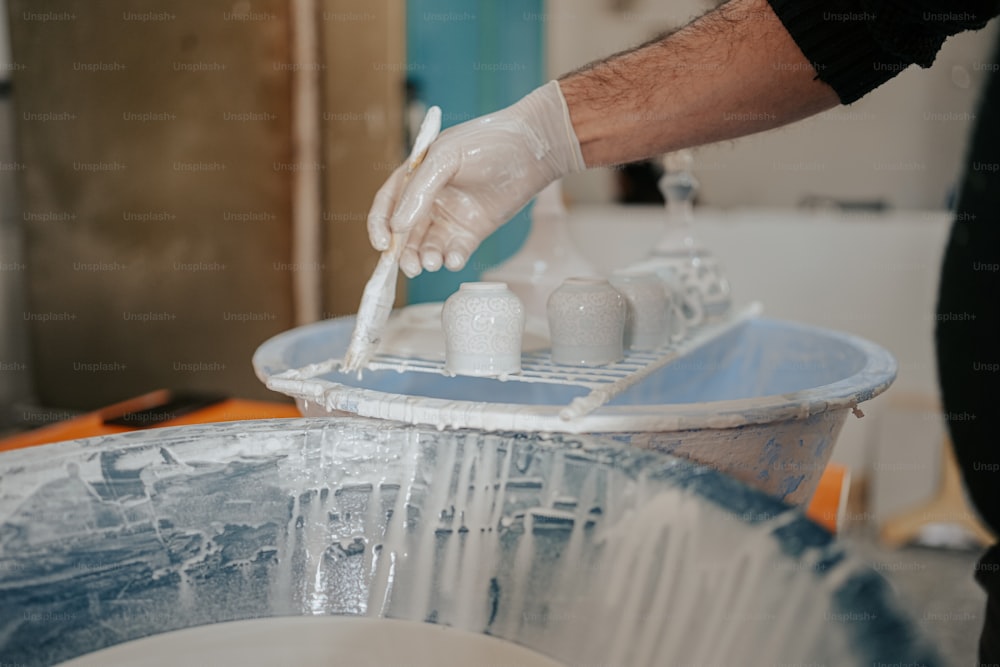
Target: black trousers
{"x": 968, "y": 342}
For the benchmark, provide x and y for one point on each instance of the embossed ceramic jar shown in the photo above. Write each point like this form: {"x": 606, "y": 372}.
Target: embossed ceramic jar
{"x": 703, "y": 274}
{"x": 685, "y": 300}
{"x": 648, "y": 322}
{"x": 483, "y": 324}
{"x": 587, "y": 322}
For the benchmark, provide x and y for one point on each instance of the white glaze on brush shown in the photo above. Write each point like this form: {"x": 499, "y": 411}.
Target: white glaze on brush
{"x": 376, "y": 305}
{"x": 380, "y": 291}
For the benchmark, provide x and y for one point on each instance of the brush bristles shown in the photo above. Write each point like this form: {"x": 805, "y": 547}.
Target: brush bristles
{"x": 376, "y": 305}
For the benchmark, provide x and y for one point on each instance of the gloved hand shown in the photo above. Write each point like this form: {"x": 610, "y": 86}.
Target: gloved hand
{"x": 475, "y": 177}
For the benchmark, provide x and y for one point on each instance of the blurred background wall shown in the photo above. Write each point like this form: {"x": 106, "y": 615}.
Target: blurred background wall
{"x": 156, "y": 156}
{"x": 153, "y": 198}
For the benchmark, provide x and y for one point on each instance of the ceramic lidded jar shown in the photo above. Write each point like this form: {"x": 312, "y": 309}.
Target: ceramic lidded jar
{"x": 483, "y": 324}
{"x": 647, "y": 325}
{"x": 587, "y": 322}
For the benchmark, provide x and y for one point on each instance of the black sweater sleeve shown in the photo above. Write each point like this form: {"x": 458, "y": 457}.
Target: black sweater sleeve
{"x": 857, "y": 45}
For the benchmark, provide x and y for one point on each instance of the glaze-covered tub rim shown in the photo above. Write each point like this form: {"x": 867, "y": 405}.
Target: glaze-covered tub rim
{"x": 876, "y": 374}
{"x": 856, "y": 590}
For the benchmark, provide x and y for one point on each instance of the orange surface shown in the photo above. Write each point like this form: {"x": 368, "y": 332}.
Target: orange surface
{"x": 92, "y": 423}
{"x": 827, "y": 505}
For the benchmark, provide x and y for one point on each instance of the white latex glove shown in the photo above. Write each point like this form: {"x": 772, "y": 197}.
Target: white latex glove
{"x": 475, "y": 177}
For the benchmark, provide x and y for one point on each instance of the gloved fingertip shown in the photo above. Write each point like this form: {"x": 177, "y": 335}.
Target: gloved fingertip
{"x": 380, "y": 241}
{"x": 455, "y": 260}
{"x": 410, "y": 267}
{"x": 432, "y": 260}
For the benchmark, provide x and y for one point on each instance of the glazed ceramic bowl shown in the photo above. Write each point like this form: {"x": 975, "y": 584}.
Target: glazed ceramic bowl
{"x": 587, "y": 322}
{"x": 575, "y": 548}
{"x": 483, "y": 324}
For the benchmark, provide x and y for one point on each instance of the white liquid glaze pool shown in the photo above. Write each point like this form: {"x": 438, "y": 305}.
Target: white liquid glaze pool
{"x": 319, "y": 641}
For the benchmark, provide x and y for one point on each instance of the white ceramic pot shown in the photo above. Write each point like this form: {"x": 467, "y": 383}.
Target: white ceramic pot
{"x": 703, "y": 275}
{"x": 647, "y": 325}
{"x": 587, "y": 322}
{"x": 685, "y": 299}
{"x": 483, "y": 324}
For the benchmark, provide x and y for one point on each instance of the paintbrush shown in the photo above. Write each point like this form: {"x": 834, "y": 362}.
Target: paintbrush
{"x": 380, "y": 292}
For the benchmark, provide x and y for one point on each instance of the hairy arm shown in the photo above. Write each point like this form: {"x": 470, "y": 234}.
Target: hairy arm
{"x": 734, "y": 71}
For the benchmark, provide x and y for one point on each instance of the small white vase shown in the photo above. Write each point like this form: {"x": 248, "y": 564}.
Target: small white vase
{"x": 684, "y": 301}
{"x": 483, "y": 324}
{"x": 647, "y": 325}
{"x": 587, "y": 322}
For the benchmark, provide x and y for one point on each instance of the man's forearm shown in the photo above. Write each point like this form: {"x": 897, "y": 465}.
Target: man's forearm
{"x": 732, "y": 72}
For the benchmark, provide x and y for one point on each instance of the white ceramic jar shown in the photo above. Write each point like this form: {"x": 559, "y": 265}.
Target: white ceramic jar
{"x": 586, "y": 322}
{"x": 483, "y": 324}
{"x": 706, "y": 275}
{"x": 647, "y": 325}
{"x": 685, "y": 301}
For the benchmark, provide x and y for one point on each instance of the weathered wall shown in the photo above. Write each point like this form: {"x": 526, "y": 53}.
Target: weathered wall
{"x": 364, "y": 52}
{"x": 155, "y": 202}
{"x": 156, "y": 193}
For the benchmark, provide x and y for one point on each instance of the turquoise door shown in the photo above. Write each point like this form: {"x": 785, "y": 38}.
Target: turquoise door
{"x": 471, "y": 57}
